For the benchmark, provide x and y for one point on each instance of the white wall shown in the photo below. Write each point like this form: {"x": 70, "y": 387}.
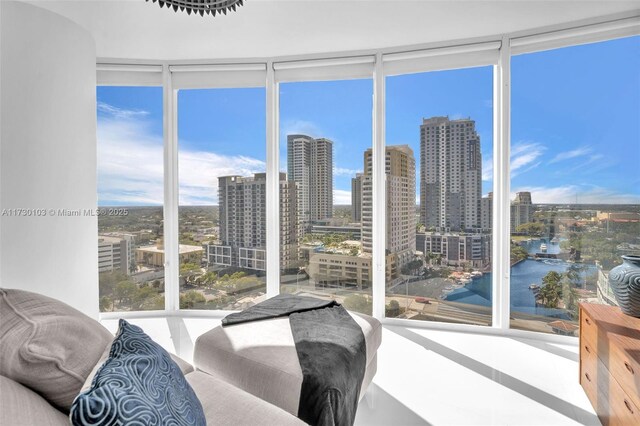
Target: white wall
{"x": 48, "y": 155}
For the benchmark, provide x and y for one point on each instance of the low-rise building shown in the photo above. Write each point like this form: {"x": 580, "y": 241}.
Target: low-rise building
{"x": 116, "y": 253}
{"x": 153, "y": 256}
{"x": 457, "y": 249}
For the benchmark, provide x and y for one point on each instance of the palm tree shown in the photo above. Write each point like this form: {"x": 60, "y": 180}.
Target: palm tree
{"x": 551, "y": 290}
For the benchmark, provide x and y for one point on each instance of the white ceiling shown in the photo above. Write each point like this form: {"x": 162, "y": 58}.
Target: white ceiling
{"x": 135, "y": 29}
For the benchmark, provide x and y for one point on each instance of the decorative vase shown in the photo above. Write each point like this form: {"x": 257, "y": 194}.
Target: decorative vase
{"x": 625, "y": 282}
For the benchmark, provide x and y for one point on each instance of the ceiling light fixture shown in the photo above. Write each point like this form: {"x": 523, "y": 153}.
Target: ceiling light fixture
{"x": 210, "y": 7}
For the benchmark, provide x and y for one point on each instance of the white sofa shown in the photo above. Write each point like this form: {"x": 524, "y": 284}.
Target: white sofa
{"x": 48, "y": 349}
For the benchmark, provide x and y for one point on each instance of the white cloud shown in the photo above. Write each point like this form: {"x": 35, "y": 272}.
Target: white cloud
{"x": 487, "y": 169}
{"x": 340, "y": 196}
{"x": 566, "y": 155}
{"x": 581, "y": 194}
{"x": 199, "y": 171}
{"x": 120, "y": 113}
{"x": 295, "y": 127}
{"x": 596, "y": 162}
{"x": 523, "y": 159}
{"x": 341, "y": 171}
{"x": 131, "y": 171}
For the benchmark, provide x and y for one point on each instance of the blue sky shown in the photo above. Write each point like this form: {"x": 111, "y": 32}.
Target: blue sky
{"x": 575, "y": 127}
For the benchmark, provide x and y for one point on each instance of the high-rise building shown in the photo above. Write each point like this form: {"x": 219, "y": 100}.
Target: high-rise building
{"x": 243, "y": 233}
{"x": 356, "y": 198}
{"x": 310, "y": 165}
{"x": 400, "y": 238}
{"x": 521, "y": 210}
{"x": 486, "y": 211}
{"x": 450, "y": 174}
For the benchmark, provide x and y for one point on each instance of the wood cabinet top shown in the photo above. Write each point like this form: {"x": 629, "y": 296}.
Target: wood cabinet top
{"x": 620, "y": 329}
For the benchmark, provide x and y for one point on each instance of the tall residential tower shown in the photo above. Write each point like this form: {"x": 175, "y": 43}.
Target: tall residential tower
{"x": 450, "y": 174}
{"x": 401, "y": 203}
{"x": 243, "y": 223}
{"x": 310, "y": 165}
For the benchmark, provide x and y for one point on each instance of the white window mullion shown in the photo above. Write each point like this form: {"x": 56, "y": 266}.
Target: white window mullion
{"x": 379, "y": 191}
{"x": 171, "y": 250}
{"x": 501, "y": 196}
{"x": 273, "y": 185}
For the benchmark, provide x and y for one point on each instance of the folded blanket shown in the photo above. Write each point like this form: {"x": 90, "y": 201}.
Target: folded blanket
{"x": 279, "y": 306}
{"x": 331, "y": 350}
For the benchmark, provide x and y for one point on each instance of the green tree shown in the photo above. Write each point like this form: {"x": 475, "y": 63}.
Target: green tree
{"x": 106, "y": 304}
{"x": 125, "y": 292}
{"x": 392, "y": 310}
{"x": 358, "y": 303}
{"x": 191, "y": 299}
{"x": 132, "y": 266}
{"x": 143, "y": 298}
{"x": 518, "y": 253}
{"x": 551, "y": 290}
{"x": 532, "y": 229}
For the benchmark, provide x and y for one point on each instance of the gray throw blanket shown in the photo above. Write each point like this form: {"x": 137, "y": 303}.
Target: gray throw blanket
{"x": 331, "y": 350}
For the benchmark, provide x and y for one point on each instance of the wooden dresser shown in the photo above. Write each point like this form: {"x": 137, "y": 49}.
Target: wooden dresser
{"x": 610, "y": 363}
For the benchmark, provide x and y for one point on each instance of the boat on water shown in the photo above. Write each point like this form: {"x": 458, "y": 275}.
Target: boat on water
{"x": 476, "y": 274}
{"x": 534, "y": 286}
{"x": 543, "y": 248}
{"x": 555, "y": 240}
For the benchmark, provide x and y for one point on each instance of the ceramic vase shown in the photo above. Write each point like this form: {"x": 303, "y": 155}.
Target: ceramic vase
{"x": 625, "y": 282}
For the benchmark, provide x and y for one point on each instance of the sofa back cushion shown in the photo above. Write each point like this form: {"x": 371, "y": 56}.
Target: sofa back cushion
{"x": 47, "y": 345}
{"x": 22, "y": 406}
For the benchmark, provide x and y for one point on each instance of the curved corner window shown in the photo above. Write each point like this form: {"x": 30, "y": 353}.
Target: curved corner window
{"x": 575, "y": 180}
{"x": 130, "y": 198}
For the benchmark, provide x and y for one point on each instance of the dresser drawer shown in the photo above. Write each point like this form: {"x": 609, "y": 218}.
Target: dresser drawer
{"x": 626, "y": 371}
{"x": 589, "y": 377}
{"x": 613, "y": 405}
{"x": 588, "y": 329}
{"x": 622, "y": 410}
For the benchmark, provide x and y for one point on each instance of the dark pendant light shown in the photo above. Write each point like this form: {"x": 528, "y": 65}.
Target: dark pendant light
{"x": 210, "y": 7}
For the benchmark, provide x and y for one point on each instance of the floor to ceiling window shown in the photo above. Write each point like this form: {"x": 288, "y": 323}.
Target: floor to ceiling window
{"x": 325, "y": 190}
{"x": 439, "y": 138}
{"x": 574, "y": 202}
{"x": 222, "y": 197}
{"x": 575, "y": 181}
{"x": 130, "y": 198}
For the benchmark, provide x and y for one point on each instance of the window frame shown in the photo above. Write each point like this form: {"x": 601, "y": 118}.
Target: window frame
{"x": 344, "y": 66}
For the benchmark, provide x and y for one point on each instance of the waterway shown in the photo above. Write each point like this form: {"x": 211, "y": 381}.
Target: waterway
{"x": 523, "y": 274}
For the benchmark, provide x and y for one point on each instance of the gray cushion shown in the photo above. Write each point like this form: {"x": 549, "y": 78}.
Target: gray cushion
{"x": 260, "y": 357}
{"x": 22, "y": 406}
{"x": 47, "y": 345}
{"x": 224, "y": 404}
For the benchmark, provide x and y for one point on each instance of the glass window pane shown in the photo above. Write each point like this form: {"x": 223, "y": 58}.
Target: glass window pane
{"x": 130, "y": 198}
{"x": 222, "y": 222}
{"x": 439, "y": 137}
{"x": 325, "y": 134}
{"x": 575, "y": 178}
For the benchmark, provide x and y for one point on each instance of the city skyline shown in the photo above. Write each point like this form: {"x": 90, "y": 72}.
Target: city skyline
{"x": 560, "y": 136}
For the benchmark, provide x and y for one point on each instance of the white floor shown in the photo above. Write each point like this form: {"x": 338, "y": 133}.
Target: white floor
{"x": 429, "y": 377}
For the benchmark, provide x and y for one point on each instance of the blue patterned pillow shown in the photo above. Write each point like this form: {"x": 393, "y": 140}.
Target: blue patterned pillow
{"x": 139, "y": 384}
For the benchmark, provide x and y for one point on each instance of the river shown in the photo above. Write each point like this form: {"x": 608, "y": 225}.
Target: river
{"x": 524, "y": 273}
